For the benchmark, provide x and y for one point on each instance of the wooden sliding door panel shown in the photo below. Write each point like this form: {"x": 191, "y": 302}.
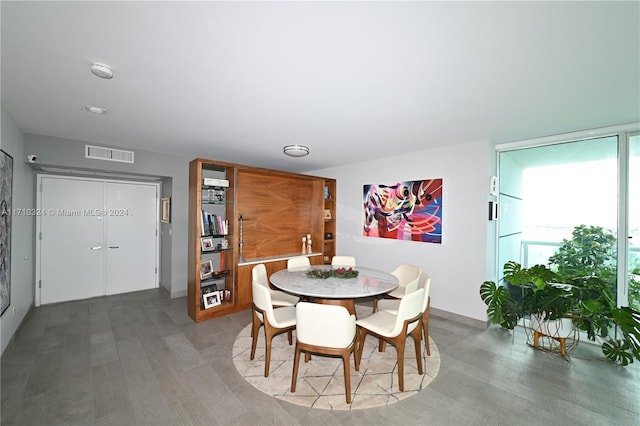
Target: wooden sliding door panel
{"x": 277, "y": 212}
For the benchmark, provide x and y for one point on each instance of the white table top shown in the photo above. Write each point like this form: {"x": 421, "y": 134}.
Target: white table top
{"x": 369, "y": 282}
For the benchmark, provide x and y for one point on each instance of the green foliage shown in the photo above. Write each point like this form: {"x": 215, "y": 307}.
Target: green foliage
{"x": 579, "y": 283}
{"x": 617, "y": 351}
{"x": 590, "y": 251}
{"x": 500, "y": 309}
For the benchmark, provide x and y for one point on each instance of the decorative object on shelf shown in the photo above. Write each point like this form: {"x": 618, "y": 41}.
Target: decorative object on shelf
{"x": 309, "y": 243}
{"x": 207, "y": 244}
{"x": 215, "y": 195}
{"x": 327, "y": 214}
{"x": 206, "y": 269}
{"x": 211, "y": 299}
{"x": 224, "y": 244}
{"x": 332, "y": 273}
{"x": 166, "y": 210}
{"x": 304, "y": 245}
{"x": 223, "y": 183}
{"x": 411, "y": 210}
{"x": 328, "y": 236}
{"x": 327, "y": 196}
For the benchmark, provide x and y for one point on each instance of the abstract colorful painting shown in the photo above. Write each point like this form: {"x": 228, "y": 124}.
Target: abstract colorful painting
{"x": 410, "y": 210}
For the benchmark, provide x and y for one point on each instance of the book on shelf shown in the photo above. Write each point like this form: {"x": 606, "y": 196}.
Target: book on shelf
{"x": 211, "y": 224}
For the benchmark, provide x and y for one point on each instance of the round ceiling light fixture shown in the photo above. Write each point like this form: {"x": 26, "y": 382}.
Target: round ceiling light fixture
{"x": 296, "y": 150}
{"x": 101, "y": 70}
{"x": 95, "y": 110}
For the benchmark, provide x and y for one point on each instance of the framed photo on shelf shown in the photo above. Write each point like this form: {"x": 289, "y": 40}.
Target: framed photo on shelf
{"x": 207, "y": 244}
{"x": 206, "y": 269}
{"x": 327, "y": 214}
{"x": 211, "y": 299}
{"x": 165, "y": 204}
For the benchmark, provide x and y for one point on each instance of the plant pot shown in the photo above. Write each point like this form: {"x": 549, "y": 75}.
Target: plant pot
{"x": 561, "y": 328}
{"x": 558, "y": 335}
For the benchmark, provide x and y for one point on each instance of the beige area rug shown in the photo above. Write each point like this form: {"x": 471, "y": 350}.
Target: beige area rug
{"x": 321, "y": 381}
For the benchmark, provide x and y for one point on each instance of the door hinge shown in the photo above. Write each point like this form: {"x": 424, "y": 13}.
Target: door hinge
{"x": 156, "y": 269}
{"x": 39, "y": 283}
{"x": 40, "y": 236}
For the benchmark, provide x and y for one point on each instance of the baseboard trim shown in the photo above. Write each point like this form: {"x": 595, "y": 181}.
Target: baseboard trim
{"x": 475, "y": 323}
{"x": 176, "y": 294}
{"x": 9, "y": 347}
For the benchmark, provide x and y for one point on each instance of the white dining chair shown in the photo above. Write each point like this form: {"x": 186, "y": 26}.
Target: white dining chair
{"x": 408, "y": 276}
{"x": 278, "y": 297}
{"x": 274, "y": 321}
{"x": 391, "y": 306}
{"x": 347, "y": 261}
{"x": 325, "y": 330}
{"x": 298, "y": 263}
{"x": 394, "y": 328}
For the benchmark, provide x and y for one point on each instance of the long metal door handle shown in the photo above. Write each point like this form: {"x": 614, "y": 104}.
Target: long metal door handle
{"x": 96, "y": 248}
{"x": 112, "y": 247}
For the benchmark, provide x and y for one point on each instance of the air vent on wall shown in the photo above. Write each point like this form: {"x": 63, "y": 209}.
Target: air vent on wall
{"x": 109, "y": 154}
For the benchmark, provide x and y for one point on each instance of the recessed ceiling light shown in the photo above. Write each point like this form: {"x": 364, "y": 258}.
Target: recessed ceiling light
{"x": 296, "y": 150}
{"x": 101, "y": 70}
{"x": 94, "y": 109}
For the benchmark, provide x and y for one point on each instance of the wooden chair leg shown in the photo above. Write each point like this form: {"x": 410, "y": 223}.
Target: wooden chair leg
{"x": 356, "y": 361}
{"x": 255, "y": 326}
{"x": 417, "y": 343}
{"x": 425, "y": 327}
{"x": 296, "y": 362}
{"x": 399, "y": 343}
{"x": 362, "y": 334}
{"x": 347, "y": 376}
{"x": 267, "y": 351}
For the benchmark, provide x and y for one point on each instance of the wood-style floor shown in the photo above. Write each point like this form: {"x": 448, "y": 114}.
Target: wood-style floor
{"x": 138, "y": 359}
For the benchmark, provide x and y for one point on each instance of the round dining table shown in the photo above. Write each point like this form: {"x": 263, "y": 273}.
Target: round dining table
{"x": 333, "y": 290}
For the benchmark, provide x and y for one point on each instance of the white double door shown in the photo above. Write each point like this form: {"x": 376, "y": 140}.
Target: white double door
{"x": 95, "y": 238}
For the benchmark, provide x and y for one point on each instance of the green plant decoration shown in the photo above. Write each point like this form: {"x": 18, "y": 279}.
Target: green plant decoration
{"x": 328, "y": 273}
{"x": 586, "y": 299}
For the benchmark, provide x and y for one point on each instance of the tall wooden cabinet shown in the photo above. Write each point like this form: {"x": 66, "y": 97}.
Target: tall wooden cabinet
{"x": 211, "y": 289}
{"x": 240, "y": 216}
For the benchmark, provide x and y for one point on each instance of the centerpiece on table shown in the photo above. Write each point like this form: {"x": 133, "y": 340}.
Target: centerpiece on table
{"x": 328, "y": 273}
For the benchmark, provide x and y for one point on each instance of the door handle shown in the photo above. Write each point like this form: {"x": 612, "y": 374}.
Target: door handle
{"x": 114, "y": 247}
{"x": 96, "y": 248}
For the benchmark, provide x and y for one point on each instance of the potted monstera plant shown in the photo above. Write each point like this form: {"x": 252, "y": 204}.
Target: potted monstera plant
{"x": 546, "y": 296}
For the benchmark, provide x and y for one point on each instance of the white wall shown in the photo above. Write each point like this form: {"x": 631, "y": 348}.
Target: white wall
{"x": 460, "y": 264}
{"x": 22, "y": 230}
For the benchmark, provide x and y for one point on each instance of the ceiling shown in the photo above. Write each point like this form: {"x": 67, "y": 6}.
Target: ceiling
{"x": 354, "y": 81}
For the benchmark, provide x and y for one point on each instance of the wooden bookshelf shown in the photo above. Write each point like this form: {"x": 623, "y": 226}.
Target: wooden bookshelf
{"x": 277, "y": 208}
